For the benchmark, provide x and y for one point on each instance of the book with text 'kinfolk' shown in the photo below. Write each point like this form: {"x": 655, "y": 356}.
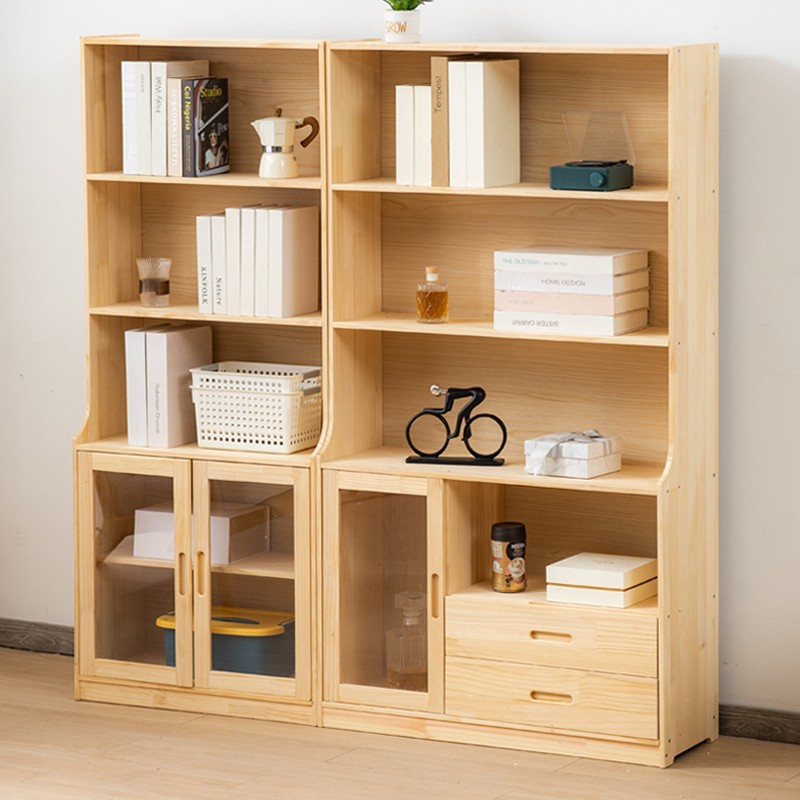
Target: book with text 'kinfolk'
{"x": 171, "y": 352}
{"x": 204, "y": 115}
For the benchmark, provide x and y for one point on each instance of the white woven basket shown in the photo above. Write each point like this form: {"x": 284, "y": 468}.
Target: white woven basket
{"x": 271, "y": 408}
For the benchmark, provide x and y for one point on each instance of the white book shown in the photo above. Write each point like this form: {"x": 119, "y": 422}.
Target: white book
{"x": 293, "y": 260}
{"x": 247, "y": 295}
{"x": 569, "y": 282}
{"x": 404, "y": 135}
{"x": 570, "y": 324}
{"x": 566, "y": 303}
{"x": 136, "y": 386}
{"x": 583, "y": 261}
{"x": 171, "y": 353}
{"x": 130, "y": 100}
{"x": 422, "y": 136}
{"x": 457, "y": 121}
{"x": 492, "y": 122}
{"x": 203, "y": 234}
{"x": 261, "y": 264}
{"x": 233, "y": 248}
{"x": 135, "y": 117}
{"x": 219, "y": 278}
{"x": 160, "y": 73}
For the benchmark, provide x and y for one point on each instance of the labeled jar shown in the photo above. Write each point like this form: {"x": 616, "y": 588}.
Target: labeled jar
{"x": 508, "y": 557}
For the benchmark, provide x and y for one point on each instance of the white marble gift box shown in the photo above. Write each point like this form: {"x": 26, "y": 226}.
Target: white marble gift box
{"x": 579, "y": 454}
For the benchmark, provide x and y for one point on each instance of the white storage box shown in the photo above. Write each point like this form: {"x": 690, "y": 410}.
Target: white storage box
{"x": 271, "y": 408}
{"x": 602, "y": 580}
{"x": 585, "y": 454}
{"x": 238, "y": 531}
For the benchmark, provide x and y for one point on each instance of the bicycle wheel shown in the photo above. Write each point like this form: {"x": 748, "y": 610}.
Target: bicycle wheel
{"x": 491, "y": 434}
{"x": 432, "y": 430}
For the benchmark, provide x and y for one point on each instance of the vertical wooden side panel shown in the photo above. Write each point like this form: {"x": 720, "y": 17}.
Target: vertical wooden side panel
{"x": 688, "y": 500}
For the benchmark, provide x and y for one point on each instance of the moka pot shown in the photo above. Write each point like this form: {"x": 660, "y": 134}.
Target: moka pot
{"x": 277, "y": 144}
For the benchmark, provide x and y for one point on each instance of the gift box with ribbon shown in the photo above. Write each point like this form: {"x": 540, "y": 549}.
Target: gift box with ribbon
{"x": 577, "y": 454}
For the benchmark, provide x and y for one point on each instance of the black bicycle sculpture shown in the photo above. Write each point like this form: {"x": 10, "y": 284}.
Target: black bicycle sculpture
{"x": 431, "y": 426}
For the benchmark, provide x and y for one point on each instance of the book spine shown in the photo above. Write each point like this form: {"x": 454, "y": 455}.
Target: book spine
{"x": 422, "y": 136}
{"x": 130, "y": 144}
{"x": 203, "y": 231}
{"x": 457, "y": 121}
{"x": 158, "y": 120}
{"x": 187, "y": 127}
{"x": 248, "y": 253}
{"x": 174, "y": 150}
{"x": 219, "y": 293}
{"x": 570, "y": 324}
{"x": 440, "y": 148}
{"x": 261, "y": 265}
{"x": 233, "y": 232}
{"x": 143, "y": 117}
{"x": 569, "y": 283}
{"x": 404, "y": 135}
{"x": 211, "y": 120}
{"x": 157, "y": 407}
{"x": 578, "y": 263}
{"x": 565, "y": 303}
{"x": 136, "y": 386}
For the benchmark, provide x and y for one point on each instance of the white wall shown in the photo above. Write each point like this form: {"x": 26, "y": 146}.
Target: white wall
{"x": 42, "y": 323}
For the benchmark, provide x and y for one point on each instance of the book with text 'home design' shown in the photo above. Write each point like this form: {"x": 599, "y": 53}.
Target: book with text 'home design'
{"x": 204, "y": 117}
{"x": 518, "y": 280}
{"x": 171, "y": 352}
{"x": 164, "y": 118}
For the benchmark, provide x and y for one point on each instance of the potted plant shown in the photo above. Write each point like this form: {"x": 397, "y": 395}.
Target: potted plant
{"x": 402, "y": 20}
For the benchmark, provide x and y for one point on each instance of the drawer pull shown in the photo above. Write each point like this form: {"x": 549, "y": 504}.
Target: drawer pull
{"x": 552, "y": 636}
{"x": 551, "y": 697}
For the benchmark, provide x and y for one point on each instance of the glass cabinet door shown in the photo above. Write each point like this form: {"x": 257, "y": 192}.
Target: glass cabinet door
{"x": 135, "y": 571}
{"x": 252, "y": 579}
{"x": 382, "y": 616}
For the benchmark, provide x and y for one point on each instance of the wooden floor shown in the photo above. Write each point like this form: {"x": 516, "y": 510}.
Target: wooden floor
{"x": 52, "y": 748}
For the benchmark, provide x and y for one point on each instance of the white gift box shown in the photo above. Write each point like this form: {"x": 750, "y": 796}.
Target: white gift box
{"x": 238, "y": 531}
{"x": 584, "y": 454}
{"x": 602, "y": 580}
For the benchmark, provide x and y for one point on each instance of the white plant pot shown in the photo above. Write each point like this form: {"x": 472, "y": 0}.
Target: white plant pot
{"x": 402, "y": 26}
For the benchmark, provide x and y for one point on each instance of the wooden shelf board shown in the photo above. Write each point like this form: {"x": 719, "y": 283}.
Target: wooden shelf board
{"x": 231, "y": 179}
{"x": 403, "y": 323}
{"x": 190, "y": 312}
{"x": 646, "y": 194}
{"x": 119, "y": 445}
{"x": 145, "y": 41}
{"x": 265, "y": 565}
{"x": 632, "y": 479}
{"x": 536, "y": 592}
{"x": 505, "y": 47}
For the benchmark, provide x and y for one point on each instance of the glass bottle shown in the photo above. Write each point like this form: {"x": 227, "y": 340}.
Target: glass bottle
{"x": 407, "y": 646}
{"x": 433, "y": 303}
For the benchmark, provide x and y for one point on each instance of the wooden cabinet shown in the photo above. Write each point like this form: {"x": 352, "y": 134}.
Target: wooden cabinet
{"x": 121, "y": 650}
{"x": 635, "y": 684}
{"x": 372, "y": 533}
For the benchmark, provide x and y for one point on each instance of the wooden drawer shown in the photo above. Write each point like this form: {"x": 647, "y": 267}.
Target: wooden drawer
{"x": 552, "y": 698}
{"x": 512, "y": 628}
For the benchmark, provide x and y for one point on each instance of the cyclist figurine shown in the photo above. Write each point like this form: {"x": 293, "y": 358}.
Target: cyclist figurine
{"x": 433, "y": 441}
{"x": 477, "y": 394}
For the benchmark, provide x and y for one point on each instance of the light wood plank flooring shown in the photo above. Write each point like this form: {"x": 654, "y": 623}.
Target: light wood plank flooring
{"x": 52, "y": 748}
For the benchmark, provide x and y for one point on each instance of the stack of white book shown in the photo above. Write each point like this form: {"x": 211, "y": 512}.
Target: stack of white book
{"x": 259, "y": 261}
{"x": 158, "y": 361}
{"x": 592, "y": 292}
{"x": 462, "y": 130}
{"x": 151, "y": 114}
